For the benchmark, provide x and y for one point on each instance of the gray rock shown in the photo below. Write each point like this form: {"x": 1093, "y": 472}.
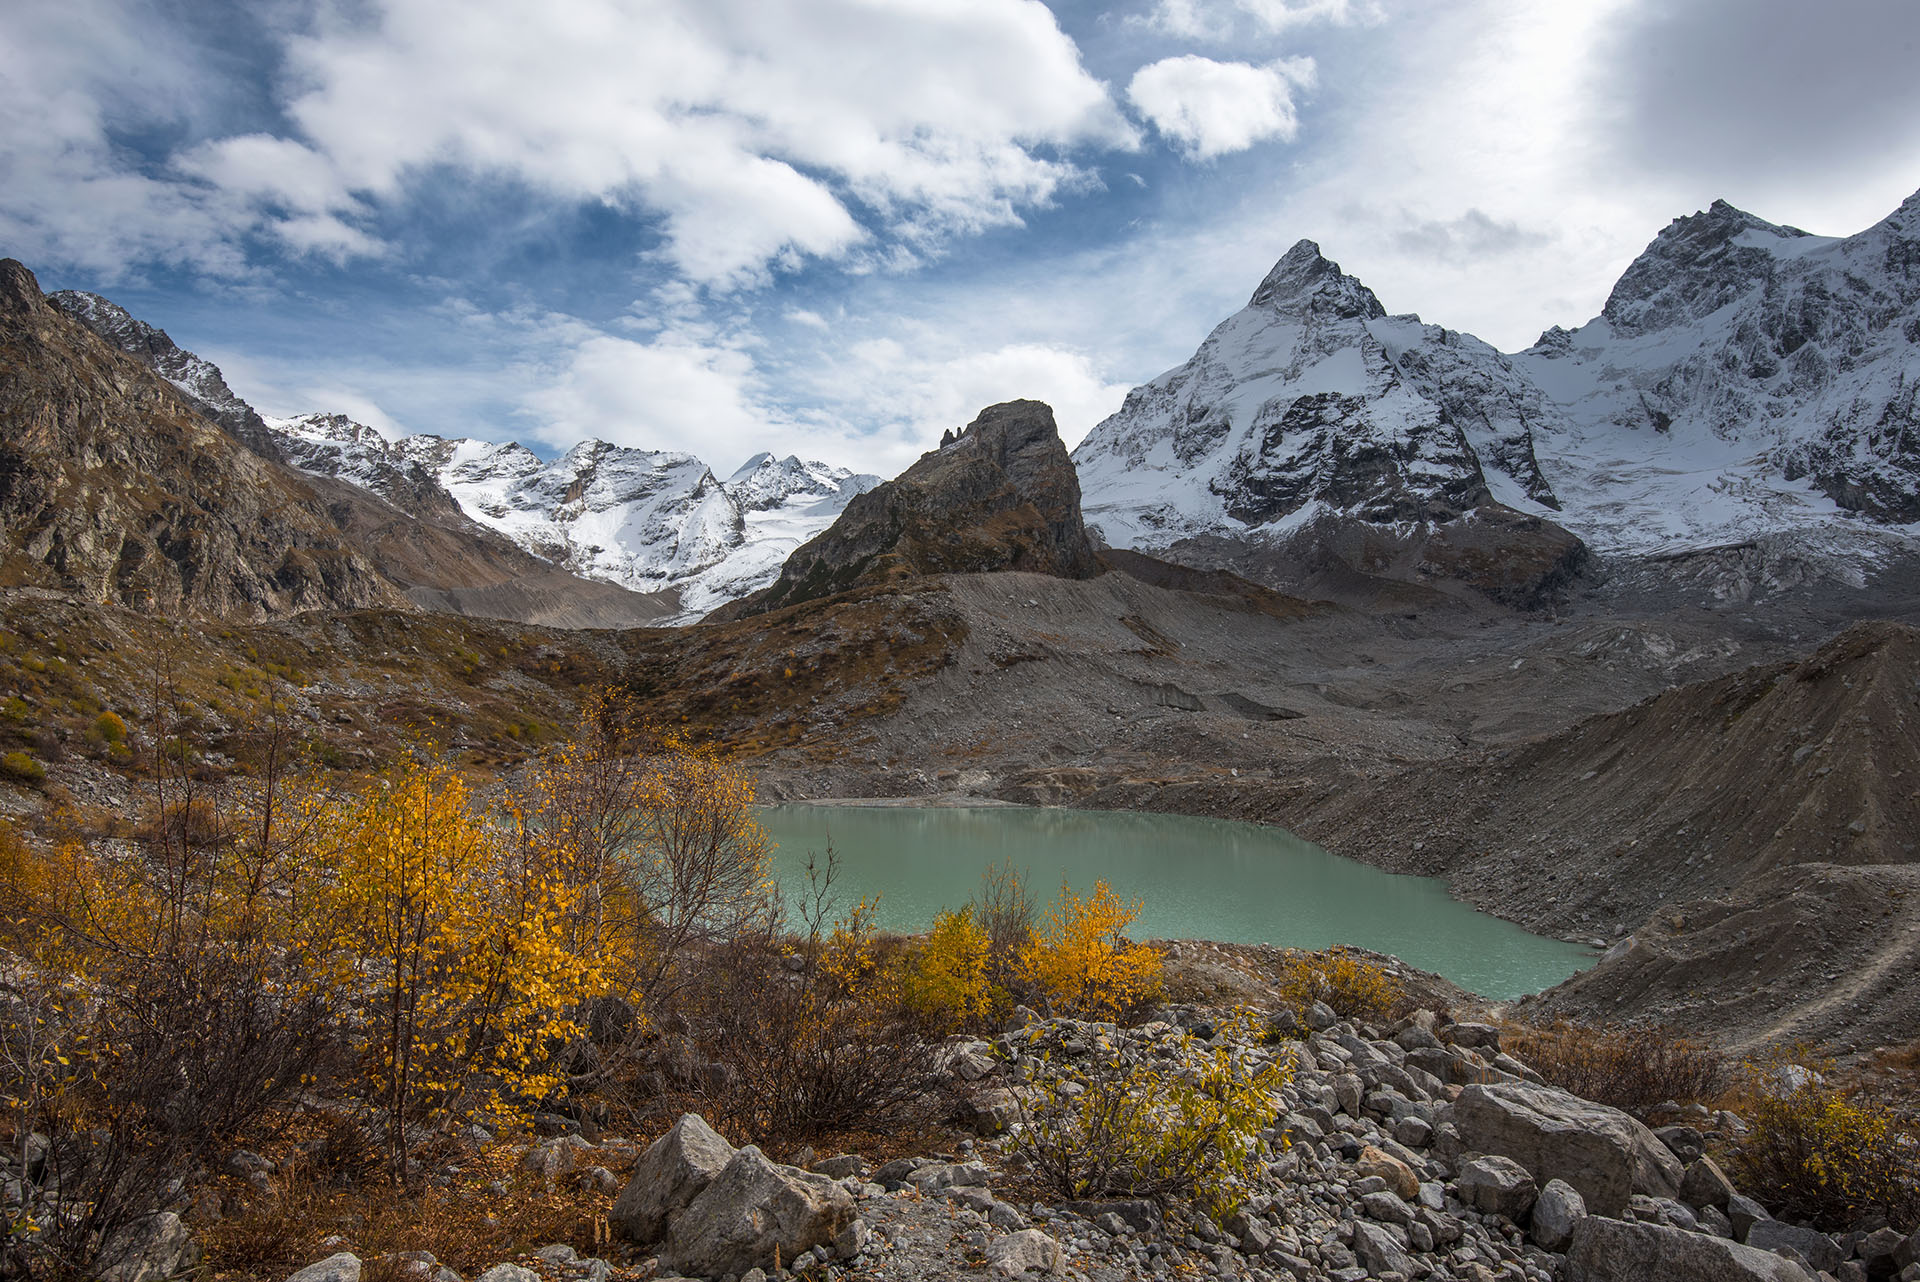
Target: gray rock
{"x": 343, "y": 1267}
{"x": 939, "y": 1176}
{"x": 1714, "y": 1220}
{"x": 1608, "y": 1250}
{"x": 1028, "y": 1251}
{"x": 752, "y": 1212}
{"x": 1705, "y": 1184}
{"x": 1601, "y": 1151}
{"x": 1141, "y": 1215}
{"x": 1387, "y": 1208}
{"x": 894, "y": 1174}
{"x": 1472, "y": 1036}
{"x": 508, "y": 1273}
{"x": 1380, "y": 1251}
{"x": 1878, "y": 1251}
{"x": 675, "y": 1169}
{"x": 1683, "y": 1142}
{"x": 1815, "y": 1247}
{"x": 1907, "y": 1254}
{"x": 151, "y": 1247}
{"x": 1558, "y": 1208}
{"x": 1744, "y": 1213}
{"x": 1497, "y": 1186}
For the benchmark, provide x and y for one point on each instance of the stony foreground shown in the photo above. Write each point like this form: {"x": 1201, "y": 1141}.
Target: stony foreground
{"x": 1416, "y": 1153}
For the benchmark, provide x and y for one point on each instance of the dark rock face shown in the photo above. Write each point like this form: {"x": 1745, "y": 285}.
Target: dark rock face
{"x": 114, "y": 487}
{"x": 198, "y": 379}
{"x": 1002, "y": 496}
{"x": 1691, "y": 270}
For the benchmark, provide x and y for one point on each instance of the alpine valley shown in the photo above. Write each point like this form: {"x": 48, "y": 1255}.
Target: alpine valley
{"x": 1617, "y": 634}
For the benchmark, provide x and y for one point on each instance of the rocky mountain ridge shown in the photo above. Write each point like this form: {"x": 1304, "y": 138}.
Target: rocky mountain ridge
{"x": 655, "y": 522}
{"x": 1743, "y": 381}
{"x": 115, "y": 488}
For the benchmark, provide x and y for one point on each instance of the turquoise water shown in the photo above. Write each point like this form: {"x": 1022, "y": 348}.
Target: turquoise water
{"x": 1199, "y": 878}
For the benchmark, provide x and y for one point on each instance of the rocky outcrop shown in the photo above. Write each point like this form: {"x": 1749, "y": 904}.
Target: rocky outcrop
{"x": 1609, "y": 1250}
{"x": 755, "y": 1215}
{"x": 672, "y": 1172}
{"x": 113, "y": 487}
{"x": 1604, "y": 1154}
{"x": 1003, "y": 495}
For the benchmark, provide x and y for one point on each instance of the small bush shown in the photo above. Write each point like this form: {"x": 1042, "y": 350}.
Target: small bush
{"x": 947, "y": 984}
{"x": 1116, "y": 1128}
{"x": 1814, "y": 1153}
{"x": 1353, "y": 988}
{"x": 22, "y": 768}
{"x": 1634, "y": 1070}
{"x": 107, "y": 731}
{"x": 1081, "y": 963}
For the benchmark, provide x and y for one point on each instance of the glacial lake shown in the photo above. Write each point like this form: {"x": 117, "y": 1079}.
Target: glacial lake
{"x": 1198, "y": 878}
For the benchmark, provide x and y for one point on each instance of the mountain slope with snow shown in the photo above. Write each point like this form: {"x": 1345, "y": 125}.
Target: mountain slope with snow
{"x": 1744, "y": 380}
{"x": 648, "y": 520}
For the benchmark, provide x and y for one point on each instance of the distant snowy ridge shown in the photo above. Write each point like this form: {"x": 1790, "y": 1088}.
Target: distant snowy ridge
{"x": 1743, "y": 380}
{"x": 645, "y": 519}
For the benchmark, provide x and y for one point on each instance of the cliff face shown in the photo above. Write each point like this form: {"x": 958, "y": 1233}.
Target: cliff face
{"x": 1003, "y": 495}
{"x": 114, "y": 488}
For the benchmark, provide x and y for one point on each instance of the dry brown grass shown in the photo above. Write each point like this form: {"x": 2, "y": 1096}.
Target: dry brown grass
{"x": 1634, "y": 1070}
{"x": 464, "y": 1226}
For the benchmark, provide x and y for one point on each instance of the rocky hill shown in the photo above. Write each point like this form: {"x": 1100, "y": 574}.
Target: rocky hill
{"x": 401, "y": 520}
{"x": 113, "y": 486}
{"x": 1744, "y": 381}
{"x": 1002, "y": 495}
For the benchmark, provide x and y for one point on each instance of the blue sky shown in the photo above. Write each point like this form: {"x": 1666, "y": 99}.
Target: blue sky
{"x": 837, "y": 227}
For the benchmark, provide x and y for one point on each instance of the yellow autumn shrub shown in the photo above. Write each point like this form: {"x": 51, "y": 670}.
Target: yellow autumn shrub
{"x": 1815, "y": 1153}
{"x": 948, "y": 987}
{"x": 1353, "y": 988}
{"x": 1080, "y": 962}
{"x": 461, "y": 958}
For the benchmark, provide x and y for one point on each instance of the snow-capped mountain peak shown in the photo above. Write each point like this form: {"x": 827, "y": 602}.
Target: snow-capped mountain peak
{"x": 646, "y": 519}
{"x": 1744, "y": 378}
{"x": 1304, "y": 279}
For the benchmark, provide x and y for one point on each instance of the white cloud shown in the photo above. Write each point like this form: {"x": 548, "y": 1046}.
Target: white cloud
{"x": 762, "y": 133}
{"x": 673, "y": 393}
{"x": 918, "y": 397}
{"x": 1223, "y": 20}
{"x": 1210, "y": 108}
{"x": 78, "y": 70}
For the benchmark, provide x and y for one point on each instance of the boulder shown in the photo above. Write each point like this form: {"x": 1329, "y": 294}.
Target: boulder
{"x": 149, "y": 1248}
{"x": 509, "y": 1273}
{"x": 1555, "y": 1212}
{"x": 1608, "y": 1250}
{"x": 1496, "y": 1186}
{"x": 1813, "y": 1246}
{"x": 1705, "y": 1184}
{"x": 1907, "y": 1254}
{"x": 1380, "y": 1251}
{"x": 1398, "y": 1175}
{"x": 1877, "y": 1252}
{"x": 1028, "y": 1251}
{"x": 1601, "y": 1151}
{"x": 343, "y": 1267}
{"x": 756, "y": 1214}
{"x": 675, "y": 1169}
{"x": 1743, "y": 1213}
